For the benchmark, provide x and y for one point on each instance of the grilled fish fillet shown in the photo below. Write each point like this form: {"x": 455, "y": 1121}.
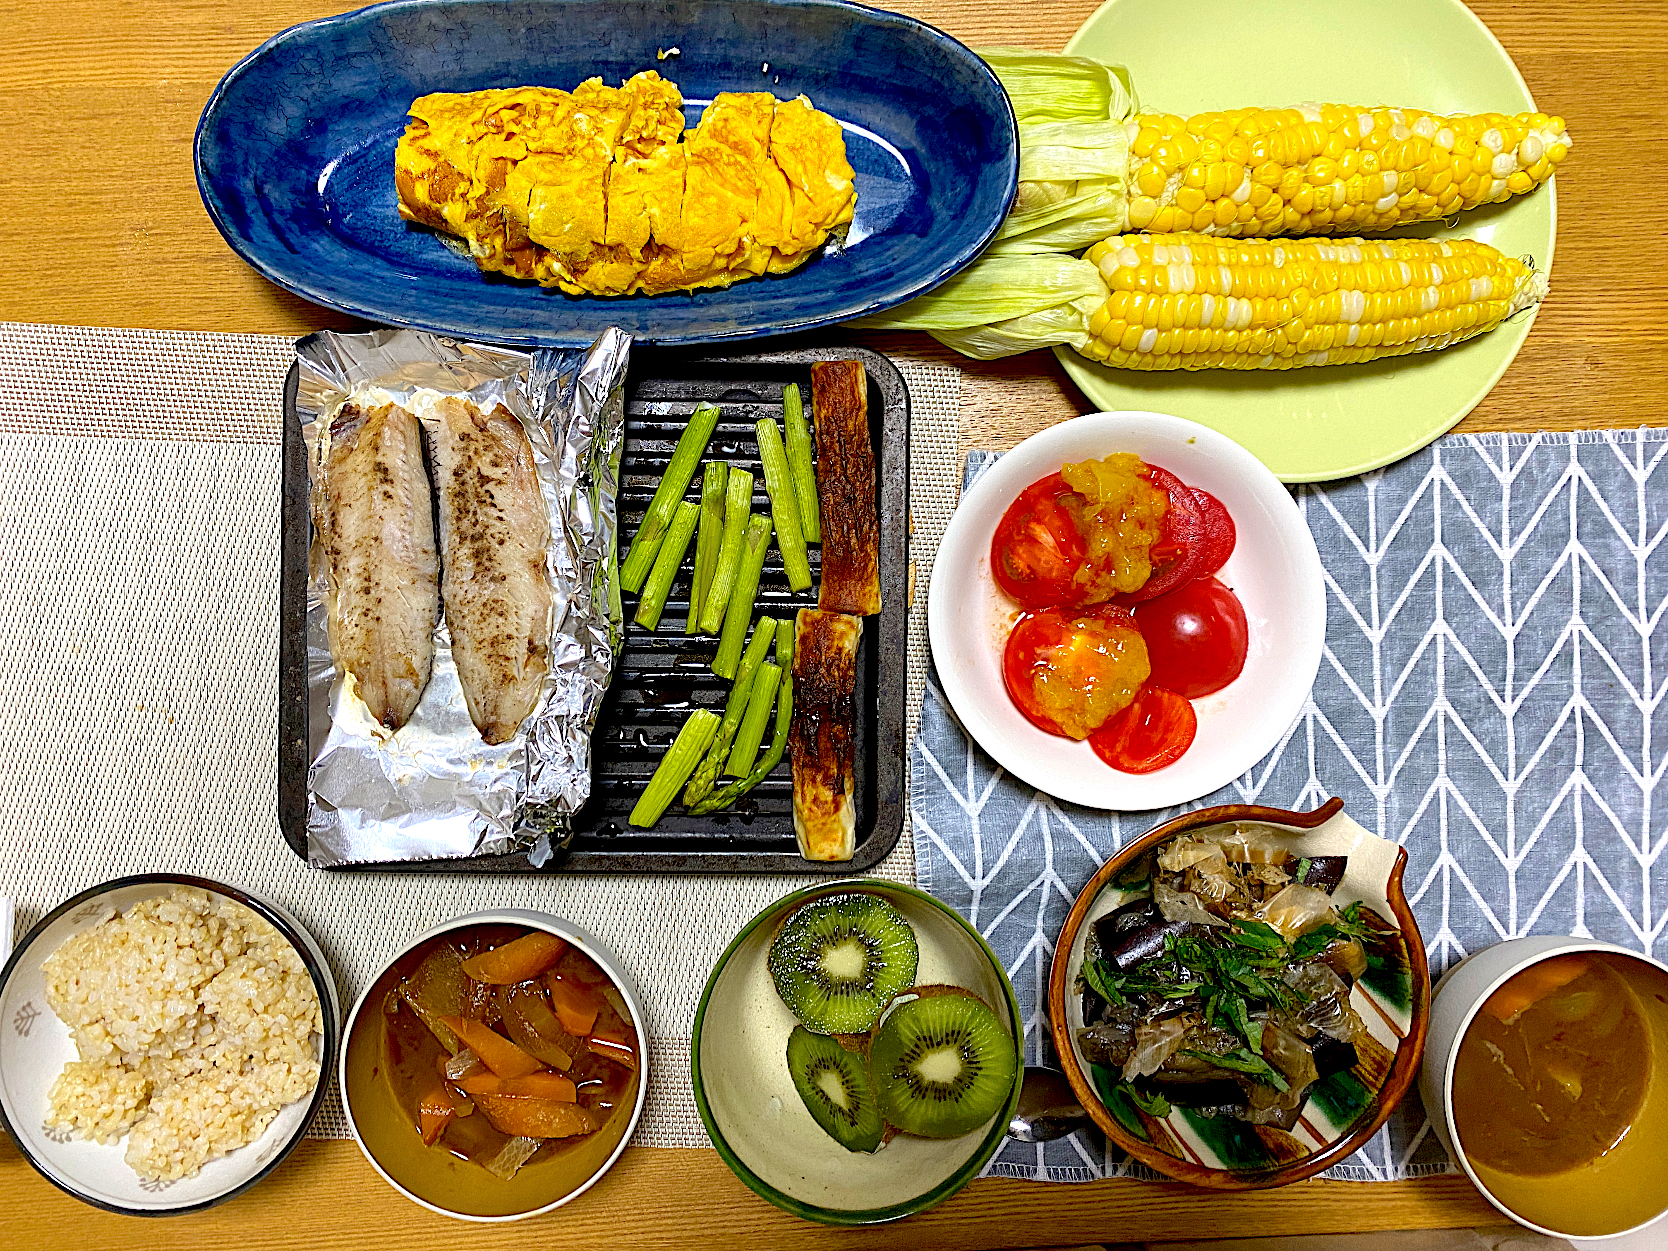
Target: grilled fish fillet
{"x": 379, "y": 541}
{"x": 494, "y": 533}
{"x": 823, "y": 734}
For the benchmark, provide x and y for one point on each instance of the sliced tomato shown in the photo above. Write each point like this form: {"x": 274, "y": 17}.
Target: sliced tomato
{"x": 1219, "y": 533}
{"x": 1152, "y": 732}
{"x": 1197, "y": 637}
{"x": 1037, "y": 548}
{"x": 1177, "y": 555}
{"x": 1081, "y": 657}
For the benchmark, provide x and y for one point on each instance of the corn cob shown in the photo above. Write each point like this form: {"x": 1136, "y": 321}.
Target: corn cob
{"x": 1329, "y": 168}
{"x": 1187, "y": 301}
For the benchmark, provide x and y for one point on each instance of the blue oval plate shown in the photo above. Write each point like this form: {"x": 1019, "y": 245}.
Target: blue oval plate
{"x": 295, "y": 155}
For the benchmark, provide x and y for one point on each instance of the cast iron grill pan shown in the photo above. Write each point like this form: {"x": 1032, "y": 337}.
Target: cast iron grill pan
{"x": 660, "y": 677}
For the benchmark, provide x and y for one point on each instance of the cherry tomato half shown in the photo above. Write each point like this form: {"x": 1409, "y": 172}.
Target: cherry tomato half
{"x": 1177, "y": 555}
{"x": 1152, "y": 732}
{"x": 1037, "y": 548}
{"x": 1196, "y": 637}
{"x": 1219, "y": 533}
{"x": 1069, "y": 670}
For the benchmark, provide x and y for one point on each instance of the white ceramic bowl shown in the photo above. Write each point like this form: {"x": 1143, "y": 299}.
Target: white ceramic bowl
{"x": 35, "y": 1045}
{"x": 1459, "y": 996}
{"x": 1275, "y": 570}
{"x": 605, "y": 960}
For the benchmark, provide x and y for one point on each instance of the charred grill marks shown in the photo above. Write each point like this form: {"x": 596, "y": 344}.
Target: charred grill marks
{"x": 846, "y": 483}
{"x": 822, "y": 737}
{"x": 493, "y": 535}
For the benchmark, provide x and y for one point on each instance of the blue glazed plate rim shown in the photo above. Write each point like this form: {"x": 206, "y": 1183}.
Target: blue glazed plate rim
{"x": 212, "y": 201}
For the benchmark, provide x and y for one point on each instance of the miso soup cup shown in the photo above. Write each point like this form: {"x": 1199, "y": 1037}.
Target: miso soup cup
{"x": 1460, "y": 995}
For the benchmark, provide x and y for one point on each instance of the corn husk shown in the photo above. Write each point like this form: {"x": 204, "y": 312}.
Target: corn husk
{"x": 1073, "y": 148}
{"x": 996, "y": 288}
{"x": 1046, "y": 86}
{"x": 1062, "y": 323}
{"x": 1025, "y": 291}
{"x": 1066, "y": 225}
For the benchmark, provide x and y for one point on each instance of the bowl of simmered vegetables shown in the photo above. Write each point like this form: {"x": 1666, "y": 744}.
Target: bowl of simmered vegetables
{"x": 495, "y": 1068}
{"x": 857, "y": 1053}
{"x": 1240, "y": 997}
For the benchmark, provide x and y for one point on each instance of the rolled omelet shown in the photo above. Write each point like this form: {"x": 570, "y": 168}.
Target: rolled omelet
{"x": 601, "y": 191}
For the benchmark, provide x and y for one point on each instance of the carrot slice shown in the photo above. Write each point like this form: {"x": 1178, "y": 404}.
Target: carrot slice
{"x": 1535, "y": 983}
{"x": 576, "y": 1006}
{"x": 518, "y": 961}
{"x": 537, "y": 1085}
{"x": 434, "y": 1112}
{"x": 528, "y": 1117}
{"x": 498, "y": 1053}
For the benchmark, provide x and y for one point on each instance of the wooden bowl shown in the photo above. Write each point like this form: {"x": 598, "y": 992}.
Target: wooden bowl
{"x": 1343, "y": 1111}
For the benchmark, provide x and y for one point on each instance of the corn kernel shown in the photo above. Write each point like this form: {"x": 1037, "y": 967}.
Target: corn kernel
{"x": 1166, "y": 155}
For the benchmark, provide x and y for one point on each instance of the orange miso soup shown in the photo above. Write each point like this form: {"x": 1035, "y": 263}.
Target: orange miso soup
{"x": 1559, "y": 1103}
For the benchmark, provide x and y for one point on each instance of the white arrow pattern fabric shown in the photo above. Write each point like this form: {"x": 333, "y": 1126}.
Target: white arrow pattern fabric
{"x": 1488, "y": 699}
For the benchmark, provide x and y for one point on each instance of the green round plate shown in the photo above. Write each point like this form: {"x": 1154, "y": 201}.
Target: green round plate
{"x": 1309, "y": 425}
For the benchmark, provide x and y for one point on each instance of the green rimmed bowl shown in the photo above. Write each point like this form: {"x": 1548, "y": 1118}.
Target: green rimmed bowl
{"x": 754, "y": 1115}
{"x": 1344, "y": 1110}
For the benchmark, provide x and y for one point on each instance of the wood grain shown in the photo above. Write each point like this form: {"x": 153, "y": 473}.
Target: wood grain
{"x": 326, "y": 1198}
{"x": 100, "y": 224}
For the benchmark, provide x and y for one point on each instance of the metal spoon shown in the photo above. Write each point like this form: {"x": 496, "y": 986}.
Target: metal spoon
{"x": 1048, "y": 1108}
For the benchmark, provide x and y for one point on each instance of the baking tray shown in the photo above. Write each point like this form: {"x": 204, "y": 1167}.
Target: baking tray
{"x": 660, "y": 677}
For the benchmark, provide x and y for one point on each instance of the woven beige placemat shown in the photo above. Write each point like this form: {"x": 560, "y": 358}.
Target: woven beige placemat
{"x": 139, "y": 486}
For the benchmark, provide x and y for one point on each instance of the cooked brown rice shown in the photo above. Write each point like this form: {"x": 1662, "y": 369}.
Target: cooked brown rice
{"x": 195, "y": 1021}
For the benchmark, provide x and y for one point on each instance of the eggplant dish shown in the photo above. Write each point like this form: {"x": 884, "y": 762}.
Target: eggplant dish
{"x": 1224, "y": 985}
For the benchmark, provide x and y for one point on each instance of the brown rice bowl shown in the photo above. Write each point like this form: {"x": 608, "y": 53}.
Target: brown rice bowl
{"x": 161, "y": 1042}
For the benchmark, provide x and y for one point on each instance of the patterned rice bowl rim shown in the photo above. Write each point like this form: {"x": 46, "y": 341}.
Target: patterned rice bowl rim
{"x": 1344, "y": 1110}
{"x": 92, "y": 906}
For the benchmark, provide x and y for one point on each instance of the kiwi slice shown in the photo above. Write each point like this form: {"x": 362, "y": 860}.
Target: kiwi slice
{"x": 840, "y": 960}
{"x": 834, "y": 1085}
{"x": 942, "y": 1066}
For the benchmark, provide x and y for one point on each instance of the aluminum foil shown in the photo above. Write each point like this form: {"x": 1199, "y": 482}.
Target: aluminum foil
{"x": 434, "y": 789}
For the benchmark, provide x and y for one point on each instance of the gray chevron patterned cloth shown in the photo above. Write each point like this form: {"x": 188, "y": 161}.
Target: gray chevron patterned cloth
{"x": 1489, "y": 698}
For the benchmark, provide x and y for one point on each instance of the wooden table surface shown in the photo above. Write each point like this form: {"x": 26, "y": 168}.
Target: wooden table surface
{"x": 100, "y": 224}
